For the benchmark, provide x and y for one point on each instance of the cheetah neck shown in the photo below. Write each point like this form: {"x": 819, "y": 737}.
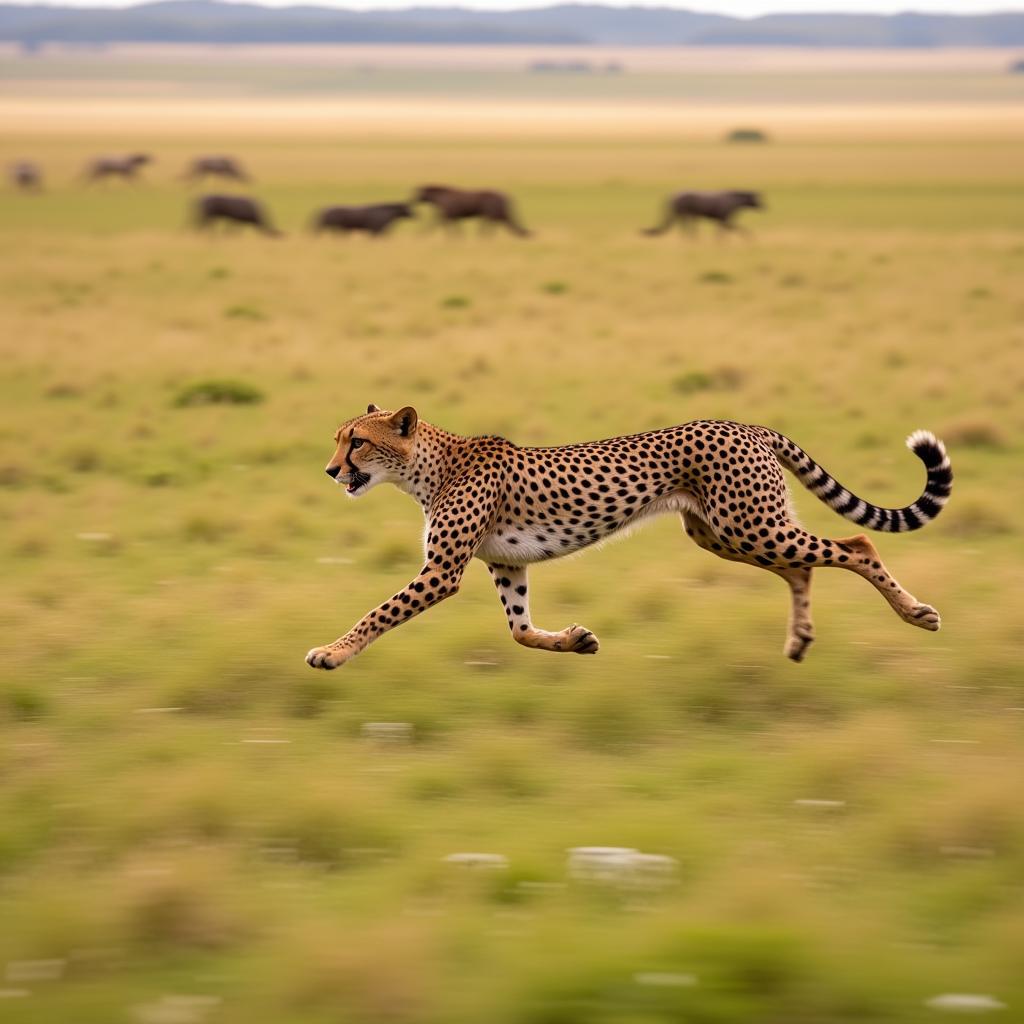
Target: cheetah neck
{"x": 433, "y": 464}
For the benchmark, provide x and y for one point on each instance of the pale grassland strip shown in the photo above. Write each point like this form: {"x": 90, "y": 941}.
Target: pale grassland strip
{"x": 682, "y": 59}
{"x": 410, "y": 117}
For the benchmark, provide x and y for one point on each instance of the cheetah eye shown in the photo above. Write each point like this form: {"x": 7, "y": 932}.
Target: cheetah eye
{"x": 357, "y": 442}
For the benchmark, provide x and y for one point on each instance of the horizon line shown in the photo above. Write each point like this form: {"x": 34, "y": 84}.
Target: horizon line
{"x": 882, "y": 11}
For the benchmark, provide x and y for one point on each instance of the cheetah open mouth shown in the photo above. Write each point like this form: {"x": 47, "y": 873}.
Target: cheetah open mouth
{"x": 356, "y": 481}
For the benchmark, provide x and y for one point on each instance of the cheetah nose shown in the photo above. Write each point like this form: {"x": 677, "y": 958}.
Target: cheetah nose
{"x": 332, "y": 471}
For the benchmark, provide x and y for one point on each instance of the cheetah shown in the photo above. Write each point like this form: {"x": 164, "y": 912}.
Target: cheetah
{"x": 511, "y": 507}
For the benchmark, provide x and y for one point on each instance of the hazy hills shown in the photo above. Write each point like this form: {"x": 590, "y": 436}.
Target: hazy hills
{"x": 207, "y": 21}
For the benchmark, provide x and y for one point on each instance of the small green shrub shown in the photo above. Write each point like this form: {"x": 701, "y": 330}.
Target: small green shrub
{"x": 975, "y": 433}
{"x": 747, "y": 135}
{"x": 206, "y": 530}
{"x": 84, "y": 460}
{"x": 25, "y": 705}
{"x": 218, "y": 392}
{"x": 715, "y": 277}
{"x": 241, "y": 312}
{"x": 309, "y": 696}
{"x": 12, "y": 475}
{"x": 722, "y": 378}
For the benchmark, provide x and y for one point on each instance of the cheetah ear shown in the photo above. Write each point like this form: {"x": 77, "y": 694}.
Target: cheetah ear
{"x": 373, "y": 408}
{"x": 404, "y": 421}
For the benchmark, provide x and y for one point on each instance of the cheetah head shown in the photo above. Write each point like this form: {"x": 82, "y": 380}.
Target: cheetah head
{"x": 374, "y": 448}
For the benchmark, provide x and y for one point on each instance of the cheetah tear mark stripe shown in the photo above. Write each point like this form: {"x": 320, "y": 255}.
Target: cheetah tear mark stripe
{"x": 925, "y": 445}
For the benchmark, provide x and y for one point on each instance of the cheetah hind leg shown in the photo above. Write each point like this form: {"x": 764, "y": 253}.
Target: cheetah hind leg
{"x": 866, "y": 562}
{"x": 513, "y": 590}
{"x": 574, "y": 639}
{"x": 800, "y": 634}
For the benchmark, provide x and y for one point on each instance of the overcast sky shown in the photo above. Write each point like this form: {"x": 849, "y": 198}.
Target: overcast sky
{"x": 739, "y": 8}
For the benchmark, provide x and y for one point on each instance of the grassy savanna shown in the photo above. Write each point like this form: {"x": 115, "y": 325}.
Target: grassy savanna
{"x": 694, "y": 74}
{"x": 194, "y": 825}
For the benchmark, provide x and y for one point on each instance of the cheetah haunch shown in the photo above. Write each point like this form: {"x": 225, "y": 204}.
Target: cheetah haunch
{"x": 487, "y": 498}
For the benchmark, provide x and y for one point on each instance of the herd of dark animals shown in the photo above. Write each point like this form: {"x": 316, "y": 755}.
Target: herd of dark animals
{"x": 451, "y": 205}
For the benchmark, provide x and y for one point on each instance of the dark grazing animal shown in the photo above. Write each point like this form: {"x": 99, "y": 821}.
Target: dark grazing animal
{"x": 126, "y": 167}
{"x": 454, "y": 205}
{"x": 27, "y": 176}
{"x": 215, "y": 166}
{"x": 375, "y": 219}
{"x": 233, "y": 210}
{"x": 720, "y": 207}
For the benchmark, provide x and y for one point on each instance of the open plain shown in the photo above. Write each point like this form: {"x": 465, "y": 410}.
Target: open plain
{"x": 194, "y": 826}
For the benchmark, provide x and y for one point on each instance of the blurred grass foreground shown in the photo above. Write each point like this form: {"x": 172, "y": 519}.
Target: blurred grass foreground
{"x": 195, "y": 828}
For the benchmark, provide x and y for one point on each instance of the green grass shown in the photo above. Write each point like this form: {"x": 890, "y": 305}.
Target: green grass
{"x": 187, "y": 810}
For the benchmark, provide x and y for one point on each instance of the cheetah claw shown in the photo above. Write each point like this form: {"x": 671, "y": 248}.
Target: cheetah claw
{"x": 582, "y": 640}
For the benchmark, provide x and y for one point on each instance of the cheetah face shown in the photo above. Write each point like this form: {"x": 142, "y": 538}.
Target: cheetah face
{"x": 373, "y": 448}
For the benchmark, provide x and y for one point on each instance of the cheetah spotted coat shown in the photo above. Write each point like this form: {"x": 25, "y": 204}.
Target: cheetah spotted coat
{"x": 488, "y": 498}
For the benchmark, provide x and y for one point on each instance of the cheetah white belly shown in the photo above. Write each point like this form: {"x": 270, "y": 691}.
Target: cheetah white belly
{"x": 677, "y": 501}
{"x": 521, "y": 546}
{"x": 516, "y": 547}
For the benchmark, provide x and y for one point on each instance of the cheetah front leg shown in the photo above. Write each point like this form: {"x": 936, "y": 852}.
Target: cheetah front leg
{"x": 428, "y": 589}
{"x": 514, "y": 593}
{"x": 453, "y": 533}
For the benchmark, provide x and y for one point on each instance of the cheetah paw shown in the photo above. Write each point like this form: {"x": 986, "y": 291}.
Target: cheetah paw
{"x": 924, "y": 616}
{"x": 797, "y": 645}
{"x": 579, "y": 640}
{"x": 327, "y": 658}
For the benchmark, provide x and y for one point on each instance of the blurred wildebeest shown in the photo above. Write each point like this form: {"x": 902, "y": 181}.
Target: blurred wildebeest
{"x": 375, "y": 219}
{"x": 116, "y": 166}
{"x": 232, "y": 210}
{"x": 453, "y": 205}
{"x": 26, "y": 175}
{"x": 720, "y": 207}
{"x": 215, "y": 166}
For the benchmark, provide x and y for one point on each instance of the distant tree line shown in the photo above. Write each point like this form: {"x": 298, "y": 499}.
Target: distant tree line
{"x": 209, "y": 21}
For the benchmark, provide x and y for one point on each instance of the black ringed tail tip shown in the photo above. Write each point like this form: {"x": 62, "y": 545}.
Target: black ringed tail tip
{"x": 924, "y": 444}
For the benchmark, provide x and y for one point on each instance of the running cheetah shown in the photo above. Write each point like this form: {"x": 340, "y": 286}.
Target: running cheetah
{"x": 487, "y": 498}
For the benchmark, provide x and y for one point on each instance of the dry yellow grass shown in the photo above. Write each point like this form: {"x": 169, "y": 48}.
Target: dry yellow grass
{"x": 410, "y": 117}
{"x": 190, "y": 813}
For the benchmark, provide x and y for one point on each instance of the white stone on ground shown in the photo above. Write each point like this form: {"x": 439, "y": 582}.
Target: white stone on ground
{"x": 389, "y": 732}
{"x": 176, "y": 1010}
{"x": 963, "y": 1002}
{"x": 35, "y": 970}
{"x": 621, "y": 865}
{"x": 489, "y": 861}
{"x": 665, "y": 979}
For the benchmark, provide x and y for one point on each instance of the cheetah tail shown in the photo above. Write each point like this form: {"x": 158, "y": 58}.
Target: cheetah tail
{"x": 925, "y": 445}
